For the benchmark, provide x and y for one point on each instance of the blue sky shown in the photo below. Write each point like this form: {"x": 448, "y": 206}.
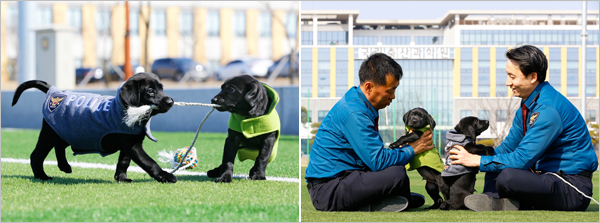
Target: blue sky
{"x": 437, "y": 9}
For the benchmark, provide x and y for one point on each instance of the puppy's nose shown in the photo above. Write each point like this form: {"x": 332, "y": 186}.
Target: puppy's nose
{"x": 214, "y": 100}
{"x": 169, "y": 101}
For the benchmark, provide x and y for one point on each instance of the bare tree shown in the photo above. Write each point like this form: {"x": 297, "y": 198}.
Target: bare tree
{"x": 293, "y": 58}
{"x": 499, "y": 126}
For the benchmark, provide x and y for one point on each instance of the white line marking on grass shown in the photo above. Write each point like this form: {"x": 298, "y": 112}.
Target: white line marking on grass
{"x": 140, "y": 170}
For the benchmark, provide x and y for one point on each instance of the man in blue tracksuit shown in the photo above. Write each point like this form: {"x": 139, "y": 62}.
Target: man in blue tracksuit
{"x": 547, "y": 143}
{"x": 349, "y": 169}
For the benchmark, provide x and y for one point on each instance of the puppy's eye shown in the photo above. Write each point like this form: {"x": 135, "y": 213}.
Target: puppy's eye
{"x": 151, "y": 91}
{"x": 230, "y": 90}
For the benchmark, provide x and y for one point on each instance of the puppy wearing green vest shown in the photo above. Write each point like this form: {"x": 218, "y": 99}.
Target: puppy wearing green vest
{"x": 428, "y": 164}
{"x": 254, "y": 126}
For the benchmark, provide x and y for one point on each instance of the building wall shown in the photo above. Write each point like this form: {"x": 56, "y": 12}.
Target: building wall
{"x": 90, "y": 47}
{"x": 3, "y": 55}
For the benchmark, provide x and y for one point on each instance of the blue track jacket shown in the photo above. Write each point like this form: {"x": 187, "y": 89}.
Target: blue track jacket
{"x": 347, "y": 140}
{"x": 557, "y": 138}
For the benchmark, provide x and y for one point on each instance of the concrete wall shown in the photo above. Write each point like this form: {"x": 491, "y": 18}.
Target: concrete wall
{"x": 27, "y": 113}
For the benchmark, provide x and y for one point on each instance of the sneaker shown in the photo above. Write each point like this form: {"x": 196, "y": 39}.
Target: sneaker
{"x": 416, "y": 200}
{"x": 390, "y": 204}
{"x": 482, "y": 202}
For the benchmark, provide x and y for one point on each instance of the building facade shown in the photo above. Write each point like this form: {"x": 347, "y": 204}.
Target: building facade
{"x": 212, "y": 33}
{"x": 453, "y": 66}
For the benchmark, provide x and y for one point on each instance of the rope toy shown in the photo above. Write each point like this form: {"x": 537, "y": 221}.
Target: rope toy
{"x": 137, "y": 114}
{"x": 190, "y": 161}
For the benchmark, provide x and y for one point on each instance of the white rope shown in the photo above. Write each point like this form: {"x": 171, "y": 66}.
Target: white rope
{"x": 194, "y": 141}
{"x": 573, "y": 187}
{"x": 196, "y": 104}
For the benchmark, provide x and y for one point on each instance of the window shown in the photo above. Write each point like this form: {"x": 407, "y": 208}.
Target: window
{"x": 103, "y": 21}
{"x": 213, "y": 23}
{"x": 465, "y": 113}
{"x": 394, "y": 40}
{"x": 428, "y": 40}
{"x": 307, "y": 38}
{"x": 158, "y": 22}
{"x": 239, "y": 23}
{"x": 44, "y": 15}
{"x": 74, "y": 18}
{"x": 501, "y": 115}
{"x": 483, "y": 114}
{"x": 590, "y": 115}
{"x": 364, "y": 40}
{"x": 264, "y": 22}
{"x": 322, "y": 114}
{"x": 332, "y": 37}
{"x": 291, "y": 25}
{"x": 186, "y": 23}
{"x": 134, "y": 24}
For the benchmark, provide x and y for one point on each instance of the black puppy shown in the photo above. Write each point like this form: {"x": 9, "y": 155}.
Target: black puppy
{"x": 92, "y": 123}
{"x": 458, "y": 181}
{"x": 247, "y": 100}
{"x": 417, "y": 120}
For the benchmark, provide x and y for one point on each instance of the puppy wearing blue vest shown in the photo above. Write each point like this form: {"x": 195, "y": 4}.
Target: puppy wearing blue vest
{"x": 253, "y": 126}
{"x": 92, "y": 123}
{"x": 428, "y": 163}
{"x": 458, "y": 181}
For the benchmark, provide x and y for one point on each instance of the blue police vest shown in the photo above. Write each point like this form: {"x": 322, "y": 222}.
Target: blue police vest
{"x": 83, "y": 119}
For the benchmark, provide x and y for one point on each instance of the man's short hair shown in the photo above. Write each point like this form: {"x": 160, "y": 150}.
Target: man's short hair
{"x": 530, "y": 59}
{"x": 376, "y": 67}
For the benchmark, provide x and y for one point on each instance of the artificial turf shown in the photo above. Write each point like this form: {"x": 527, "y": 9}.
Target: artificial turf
{"x": 93, "y": 195}
{"x": 309, "y": 214}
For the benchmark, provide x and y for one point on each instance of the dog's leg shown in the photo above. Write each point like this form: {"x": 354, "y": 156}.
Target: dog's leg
{"x": 230, "y": 151}
{"x": 431, "y": 186}
{"x": 214, "y": 173}
{"x": 139, "y": 156}
{"x": 260, "y": 165}
{"x": 122, "y": 165}
{"x": 444, "y": 186}
{"x": 61, "y": 158}
{"x": 44, "y": 144}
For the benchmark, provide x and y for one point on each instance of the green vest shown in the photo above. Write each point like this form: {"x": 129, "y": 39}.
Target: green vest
{"x": 428, "y": 158}
{"x": 252, "y": 127}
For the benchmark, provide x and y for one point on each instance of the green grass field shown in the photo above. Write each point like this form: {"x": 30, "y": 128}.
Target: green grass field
{"x": 93, "y": 194}
{"x": 309, "y": 214}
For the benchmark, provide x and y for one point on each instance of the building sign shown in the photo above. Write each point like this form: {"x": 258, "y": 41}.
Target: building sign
{"x": 407, "y": 52}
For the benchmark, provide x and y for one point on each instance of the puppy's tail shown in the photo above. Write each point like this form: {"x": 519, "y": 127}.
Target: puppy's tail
{"x": 41, "y": 85}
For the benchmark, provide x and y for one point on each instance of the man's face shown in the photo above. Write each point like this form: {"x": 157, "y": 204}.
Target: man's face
{"x": 381, "y": 96}
{"x": 521, "y": 86}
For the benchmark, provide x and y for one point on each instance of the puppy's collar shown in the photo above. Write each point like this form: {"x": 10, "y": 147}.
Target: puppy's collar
{"x": 408, "y": 128}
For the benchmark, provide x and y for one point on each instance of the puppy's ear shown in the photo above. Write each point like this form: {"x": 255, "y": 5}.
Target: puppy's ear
{"x": 405, "y": 117}
{"x": 431, "y": 121}
{"x": 470, "y": 132}
{"x": 257, "y": 98}
{"x": 130, "y": 93}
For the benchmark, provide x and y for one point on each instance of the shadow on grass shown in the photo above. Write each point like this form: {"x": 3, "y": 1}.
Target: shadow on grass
{"x": 60, "y": 180}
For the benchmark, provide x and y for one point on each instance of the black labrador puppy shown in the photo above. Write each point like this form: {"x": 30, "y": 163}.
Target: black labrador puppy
{"x": 417, "y": 119}
{"x": 92, "y": 123}
{"x": 245, "y": 97}
{"x": 458, "y": 181}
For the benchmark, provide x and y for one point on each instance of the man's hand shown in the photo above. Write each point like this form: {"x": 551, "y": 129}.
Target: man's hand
{"x": 463, "y": 157}
{"x": 423, "y": 144}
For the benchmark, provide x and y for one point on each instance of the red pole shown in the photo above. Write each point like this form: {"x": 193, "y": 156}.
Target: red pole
{"x": 127, "y": 67}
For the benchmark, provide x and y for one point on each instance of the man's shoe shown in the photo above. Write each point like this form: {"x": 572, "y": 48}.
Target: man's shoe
{"x": 390, "y": 204}
{"x": 482, "y": 202}
{"x": 416, "y": 200}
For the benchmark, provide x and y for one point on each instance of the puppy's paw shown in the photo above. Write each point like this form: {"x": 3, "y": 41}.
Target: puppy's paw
{"x": 122, "y": 178}
{"x": 257, "y": 175}
{"x": 65, "y": 167}
{"x": 214, "y": 173}
{"x": 165, "y": 177}
{"x": 395, "y": 145}
{"x": 226, "y": 178}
